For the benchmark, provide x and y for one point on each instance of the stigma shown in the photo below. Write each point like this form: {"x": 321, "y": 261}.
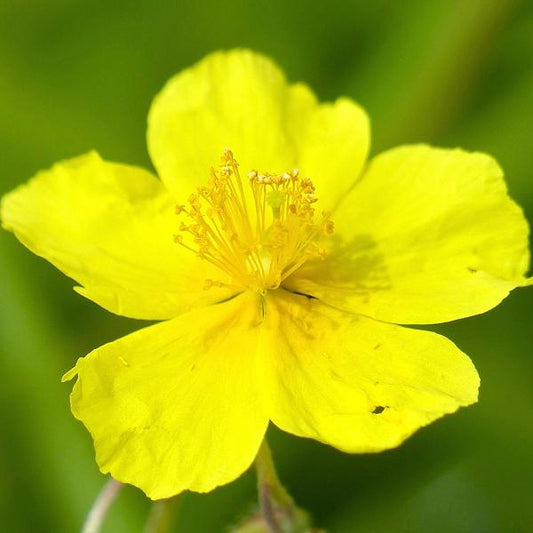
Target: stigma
{"x": 258, "y": 230}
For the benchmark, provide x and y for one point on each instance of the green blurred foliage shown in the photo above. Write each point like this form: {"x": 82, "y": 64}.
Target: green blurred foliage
{"x": 77, "y": 75}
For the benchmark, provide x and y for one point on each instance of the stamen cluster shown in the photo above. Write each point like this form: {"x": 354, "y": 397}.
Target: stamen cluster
{"x": 257, "y": 232}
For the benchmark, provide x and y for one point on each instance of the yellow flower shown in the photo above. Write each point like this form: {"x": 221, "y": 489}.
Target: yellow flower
{"x": 279, "y": 290}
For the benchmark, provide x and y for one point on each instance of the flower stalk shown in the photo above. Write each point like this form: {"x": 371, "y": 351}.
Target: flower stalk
{"x": 162, "y": 515}
{"x": 98, "y": 512}
{"x": 280, "y": 513}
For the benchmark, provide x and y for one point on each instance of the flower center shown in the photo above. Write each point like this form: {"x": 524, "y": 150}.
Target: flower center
{"x": 257, "y": 232}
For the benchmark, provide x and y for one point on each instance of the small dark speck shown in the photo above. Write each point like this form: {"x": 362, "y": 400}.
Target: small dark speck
{"x": 377, "y": 346}
{"x": 379, "y": 409}
{"x": 473, "y": 270}
{"x": 193, "y": 366}
{"x": 308, "y": 296}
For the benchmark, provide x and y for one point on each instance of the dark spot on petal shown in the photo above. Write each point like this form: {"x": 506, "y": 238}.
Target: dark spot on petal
{"x": 228, "y": 299}
{"x": 473, "y": 270}
{"x": 262, "y": 304}
{"x": 377, "y": 346}
{"x": 379, "y": 409}
{"x": 335, "y": 375}
{"x": 308, "y": 296}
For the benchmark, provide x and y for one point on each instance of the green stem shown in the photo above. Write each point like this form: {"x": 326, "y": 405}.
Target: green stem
{"x": 101, "y": 505}
{"x": 162, "y": 516}
{"x": 273, "y": 498}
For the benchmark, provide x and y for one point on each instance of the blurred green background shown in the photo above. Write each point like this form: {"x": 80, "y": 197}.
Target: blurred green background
{"x": 77, "y": 75}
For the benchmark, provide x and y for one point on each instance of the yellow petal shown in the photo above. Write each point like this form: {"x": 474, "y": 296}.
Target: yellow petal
{"x": 234, "y": 100}
{"x": 241, "y": 100}
{"x": 175, "y": 406}
{"x": 110, "y": 227}
{"x": 428, "y": 235}
{"x": 355, "y": 383}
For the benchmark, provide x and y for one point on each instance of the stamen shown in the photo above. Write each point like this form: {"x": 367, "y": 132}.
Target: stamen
{"x": 257, "y": 232}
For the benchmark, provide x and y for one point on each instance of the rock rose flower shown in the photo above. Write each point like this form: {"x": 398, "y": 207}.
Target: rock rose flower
{"x": 279, "y": 262}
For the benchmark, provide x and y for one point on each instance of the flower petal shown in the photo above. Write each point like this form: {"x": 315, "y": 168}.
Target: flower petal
{"x": 355, "y": 383}
{"x": 232, "y": 99}
{"x": 174, "y": 406}
{"x": 110, "y": 227}
{"x": 241, "y": 100}
{"x": 428, "y": 235}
